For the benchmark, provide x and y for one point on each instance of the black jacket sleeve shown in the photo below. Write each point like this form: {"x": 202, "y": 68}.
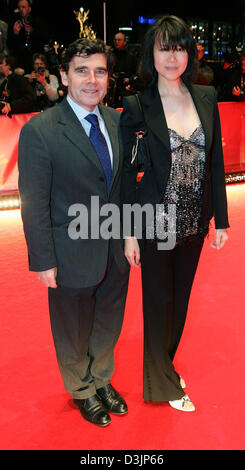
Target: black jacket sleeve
{"x": 218, "y": 174}
{"x": 35, "y": 181}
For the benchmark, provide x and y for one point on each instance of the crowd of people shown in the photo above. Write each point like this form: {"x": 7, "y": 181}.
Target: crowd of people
{"x": 24, "y": 41}
{"x": 29, "y": 65}
{"x": 30, "y": 55}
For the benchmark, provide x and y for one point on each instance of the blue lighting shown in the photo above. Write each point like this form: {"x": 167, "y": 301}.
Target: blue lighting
{"x": 143, "y": 20}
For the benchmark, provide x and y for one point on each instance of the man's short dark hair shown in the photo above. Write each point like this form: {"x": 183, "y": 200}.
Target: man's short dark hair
{"x": 84, "y": 48}
{"x": 39, "y": 55}
{"x": 28, "y": 1}
{"x": 120, "y": 32}
{"x": 171, "y": 31}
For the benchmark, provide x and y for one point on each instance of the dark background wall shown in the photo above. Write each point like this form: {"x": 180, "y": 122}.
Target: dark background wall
{"x": 62, "y": 25}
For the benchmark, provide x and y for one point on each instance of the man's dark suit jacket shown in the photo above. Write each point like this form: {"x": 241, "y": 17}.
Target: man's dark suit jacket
{"x": 152, "y": 186}
{"x": 58, "y": 167}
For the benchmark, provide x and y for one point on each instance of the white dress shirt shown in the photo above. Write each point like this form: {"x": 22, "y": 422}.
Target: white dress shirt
{"x": 81, "y": 113}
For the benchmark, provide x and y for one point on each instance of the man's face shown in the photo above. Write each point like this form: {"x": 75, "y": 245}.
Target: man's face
{"x": 120, "y": 41}
{"x": 87, "y": 80}
{"x": 4, "y": 68}
{"x": 24, "y": 8}
{"x": 200, "y": 51}
{"x": 38, "y": 63}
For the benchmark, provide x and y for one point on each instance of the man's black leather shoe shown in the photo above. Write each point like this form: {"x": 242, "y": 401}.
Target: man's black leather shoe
{"x": 93, "y": 410}
{"x": 111, "y": 400}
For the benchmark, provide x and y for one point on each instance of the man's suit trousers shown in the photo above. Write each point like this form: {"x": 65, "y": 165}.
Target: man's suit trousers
{"x": 86, "y": 324}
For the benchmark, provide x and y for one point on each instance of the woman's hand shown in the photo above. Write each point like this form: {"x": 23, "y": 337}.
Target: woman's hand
{"x": 132, "y": 251}
{"x": 221, "y": 237}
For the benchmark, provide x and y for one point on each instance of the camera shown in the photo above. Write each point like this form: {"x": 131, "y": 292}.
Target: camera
{"x": 27, "y": 19}
{"x": 40, "y": 70}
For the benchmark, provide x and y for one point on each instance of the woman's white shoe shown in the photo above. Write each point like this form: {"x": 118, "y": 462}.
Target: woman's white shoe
{"x": 182, "y": 382}
{"x": 184, "y": 404}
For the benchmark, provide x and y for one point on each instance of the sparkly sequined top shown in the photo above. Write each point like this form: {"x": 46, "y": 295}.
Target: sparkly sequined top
{"x": 184, "y": 187}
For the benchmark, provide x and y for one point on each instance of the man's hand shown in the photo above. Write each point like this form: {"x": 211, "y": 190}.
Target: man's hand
{"x": 6, "y": 109}
{"x": 132, "y": 251}
{"x": 32, "y": 76}
{"x": 17, "y": 27}
{"x": 41, "y": 78}
{"x": 220, "y": 238}
{"x": 48, "y": 278}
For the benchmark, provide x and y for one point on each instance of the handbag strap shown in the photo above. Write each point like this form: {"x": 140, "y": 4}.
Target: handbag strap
{"x": 139, "y": 115}
{"x": 139, "y": 103}
{"x": 137, "y": 108}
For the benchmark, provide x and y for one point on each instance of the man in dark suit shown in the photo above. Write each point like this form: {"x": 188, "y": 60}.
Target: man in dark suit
{"x": 16, "y": 93}
{"x": 27, "y": 34}
{"x": 68, "y": 156}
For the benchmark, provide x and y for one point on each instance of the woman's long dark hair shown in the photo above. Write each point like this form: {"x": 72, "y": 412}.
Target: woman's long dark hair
{"x": 171, "y": 31}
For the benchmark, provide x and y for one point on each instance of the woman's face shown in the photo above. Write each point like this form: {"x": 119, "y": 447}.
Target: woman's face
{"x": 169, "y": 63}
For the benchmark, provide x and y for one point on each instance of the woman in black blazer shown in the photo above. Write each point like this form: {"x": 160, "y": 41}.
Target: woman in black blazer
{"x": 184, "y": 181}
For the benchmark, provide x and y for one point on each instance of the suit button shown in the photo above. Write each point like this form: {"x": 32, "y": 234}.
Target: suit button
{"x": 101, "y": 179}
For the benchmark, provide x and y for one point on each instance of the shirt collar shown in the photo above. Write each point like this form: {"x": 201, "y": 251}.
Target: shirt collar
{"x": 80, "y": 111}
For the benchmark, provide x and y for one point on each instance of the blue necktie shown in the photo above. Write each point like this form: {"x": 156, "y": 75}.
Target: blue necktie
{"x": 98, "y": 140}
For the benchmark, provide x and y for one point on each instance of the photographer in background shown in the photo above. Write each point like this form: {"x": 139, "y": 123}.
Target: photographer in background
{"x": 233, "y": 86}
{"x": 16, "y": 94}
{"x": 26, "y": 35}
{"x": 45, "y": 84}
{"x": 205, "y": 74}
{"x": 124, "y": 70}
{"x": 124, "y": 61}
{"x": 3, "y": 39}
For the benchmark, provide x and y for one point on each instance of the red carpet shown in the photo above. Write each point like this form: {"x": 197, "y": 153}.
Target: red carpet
{"x": 36, "y": 412}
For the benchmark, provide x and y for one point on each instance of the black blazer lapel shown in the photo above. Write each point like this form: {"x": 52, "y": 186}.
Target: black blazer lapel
{"x": 158, "y": 130}
{"x": 154, "y": 115}
{"x": 205, "y": 108}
